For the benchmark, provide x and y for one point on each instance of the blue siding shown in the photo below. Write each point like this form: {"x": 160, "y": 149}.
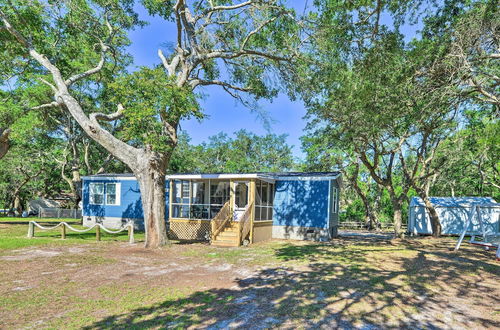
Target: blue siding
{"x": 301, "y": 203}
{"x": 130, "y": 200}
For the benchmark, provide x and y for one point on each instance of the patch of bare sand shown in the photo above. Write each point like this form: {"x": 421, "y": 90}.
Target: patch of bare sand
{"x": 446, "y": 290}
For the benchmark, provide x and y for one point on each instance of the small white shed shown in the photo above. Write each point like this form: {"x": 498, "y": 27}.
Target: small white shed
{"x": 453, "y": 212}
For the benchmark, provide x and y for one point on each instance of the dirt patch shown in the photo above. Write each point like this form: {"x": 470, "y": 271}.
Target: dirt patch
{"x": 36, "y": 253}
{"x": 353, "y": 282}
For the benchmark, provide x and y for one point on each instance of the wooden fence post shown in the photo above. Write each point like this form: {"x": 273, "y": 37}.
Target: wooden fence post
{"x": 131, "y": 234}
{"x": 63, "y": 231}
{"x": 98, "y": 233}
{"x": 31, "y": 230}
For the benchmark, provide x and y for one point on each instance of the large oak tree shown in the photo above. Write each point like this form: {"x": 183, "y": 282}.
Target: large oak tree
{"x": 240, "y": 46}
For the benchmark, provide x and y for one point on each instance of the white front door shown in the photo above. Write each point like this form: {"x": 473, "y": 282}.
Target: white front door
{"x": 240, "y": 200}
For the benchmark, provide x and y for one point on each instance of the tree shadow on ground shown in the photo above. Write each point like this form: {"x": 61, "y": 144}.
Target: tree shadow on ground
{"x": 337, "y": 284}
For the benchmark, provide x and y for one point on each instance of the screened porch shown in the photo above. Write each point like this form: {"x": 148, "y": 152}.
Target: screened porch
{"x": 202, "y": 199}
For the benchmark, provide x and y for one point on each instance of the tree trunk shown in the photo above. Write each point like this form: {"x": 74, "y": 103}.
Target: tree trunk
{"x": 17, "y": 205}
{"x": 398, "y": 219}
{"x": 369, "y": 216}
{"x": 76, "y": 181}
{"x": 4, "y": 142}
{"x": 398, "y": 214}
{"x": 376, "y": 205}
{"x": 151, "y": 178}
{"x": 433, "y": 216}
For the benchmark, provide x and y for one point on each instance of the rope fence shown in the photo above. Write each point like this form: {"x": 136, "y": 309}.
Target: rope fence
{"x": 63, "y": 225}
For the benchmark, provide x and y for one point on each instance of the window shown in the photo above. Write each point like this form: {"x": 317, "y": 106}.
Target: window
{"x": 112, "y": 194}
{"x": 96, "y": 193}
{"x": 241, "y": 195}
{"x": 104, "y": 193}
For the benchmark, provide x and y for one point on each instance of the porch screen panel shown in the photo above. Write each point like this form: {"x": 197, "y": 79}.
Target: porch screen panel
{"x": 219, "y": 194}
{"x": 200, "y": 207}
{"x": 180, "y": 199}
{"x": 264, "y": 199}
{"x": 270, "y": 203}
{"x": 258, "y": 200}
{"x": 198, "y": 199}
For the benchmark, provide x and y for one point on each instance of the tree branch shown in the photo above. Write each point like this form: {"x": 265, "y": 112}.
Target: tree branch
{"x": 225, "y": 54}
{"x": 46, "y": 105}
{"x": 121, "y": 150}
{"x": 256, "y": 30}
{"x": 71, "y": 80}
{"x": 213, "y": 9}
{"x": 22, "y": 40}
{"x": 171, "y": 68}
{"x": 96, "y": 116}
{"x": 202, "y": 82}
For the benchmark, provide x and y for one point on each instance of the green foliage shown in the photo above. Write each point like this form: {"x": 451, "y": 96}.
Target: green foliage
{"x": 151, "y": 99}
{"x": 29, "y": 170}
{"x": 376, "y": 96}
{"x": 472, "y": 166}
{"x": 246, "y": 152}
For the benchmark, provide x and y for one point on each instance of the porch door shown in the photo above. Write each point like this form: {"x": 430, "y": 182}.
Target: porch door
{"x": 240, "y": 200}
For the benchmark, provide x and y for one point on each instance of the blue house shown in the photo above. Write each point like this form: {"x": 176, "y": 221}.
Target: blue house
{"x": 227, "y": 209}
{"x": 453, "y": 213}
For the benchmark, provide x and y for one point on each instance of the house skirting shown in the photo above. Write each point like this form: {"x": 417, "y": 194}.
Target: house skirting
{"x": 111, "y": 222}
{"x": 262, "y": 231}
{"x": 301, "y": 233}
{"x": 183, "y": 229}
{"x": 193, "y": 230}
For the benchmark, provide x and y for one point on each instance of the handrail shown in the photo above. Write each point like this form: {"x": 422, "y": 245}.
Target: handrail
{"x": 98, "y": 226}
{"x": 221, "y": 218}
{"x": 245, "y": 223}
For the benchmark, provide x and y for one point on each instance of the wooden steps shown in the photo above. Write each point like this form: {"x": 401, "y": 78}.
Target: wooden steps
{"x": 229, "y": 236}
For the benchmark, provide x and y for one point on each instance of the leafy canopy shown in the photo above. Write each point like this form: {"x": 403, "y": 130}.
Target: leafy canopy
{"x": 149, "y": 98}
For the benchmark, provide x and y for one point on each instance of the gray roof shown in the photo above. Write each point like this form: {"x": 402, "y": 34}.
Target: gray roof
{"x": 125, "y": 175}
{"x": 271, "y": 174}
{"x": 453, "y": 201}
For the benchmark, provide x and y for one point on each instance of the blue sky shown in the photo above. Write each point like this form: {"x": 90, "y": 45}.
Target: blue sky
{"x": 224, "y": 114}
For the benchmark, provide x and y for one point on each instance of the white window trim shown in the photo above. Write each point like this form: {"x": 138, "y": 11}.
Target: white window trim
{"x": 103, "y": 192}
{"x": 117, "y": 193}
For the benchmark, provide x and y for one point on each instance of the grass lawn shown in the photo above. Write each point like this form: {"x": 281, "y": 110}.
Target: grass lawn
{"x": 15, "y": 237}
{"x": 348, "y": 283}
{"x": 23, "y": 220}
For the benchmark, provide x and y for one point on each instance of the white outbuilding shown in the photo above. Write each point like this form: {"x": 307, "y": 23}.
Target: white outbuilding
{"x": 453, "y": 212}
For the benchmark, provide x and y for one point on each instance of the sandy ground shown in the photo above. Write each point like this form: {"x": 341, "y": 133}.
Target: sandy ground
{"x": 354, "y": 282}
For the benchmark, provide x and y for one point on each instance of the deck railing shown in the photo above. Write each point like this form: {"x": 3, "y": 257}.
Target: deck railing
{"x": 245, "y": 223}
{"x": 221, "y": 219}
